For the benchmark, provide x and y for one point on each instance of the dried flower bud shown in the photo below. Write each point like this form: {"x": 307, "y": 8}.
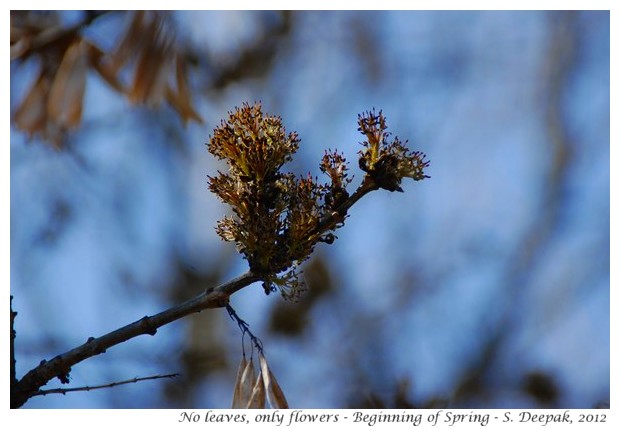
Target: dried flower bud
{"x": 276, "y": 216}
{"x": 335, "y": 166}
{"x": 254, "y": 145}
{"x": 279, "y": 218}
{"x": 385, "y": 162}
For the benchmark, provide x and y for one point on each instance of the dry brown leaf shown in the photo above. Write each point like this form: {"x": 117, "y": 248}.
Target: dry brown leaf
{"x": 182, "y": 106}
{"x": 65, "y": 101}
{"x": 31, "y": 115}
{"x": 132, "y": 41}
{"x": 182, "y": 88}
{"x": 248, "y": 379}
{"x": 19, "y": 47}
{"x": 257, "y": 399}
{"x": 151, "y": 75}
{"x": 237, "y": 401}
{"x": 154, "y": 65}
{"x": 275, "y": 395}
{"x": 105, "y": 70}
{"x": 31, "y": 31}
{"x": 181, "y": 100}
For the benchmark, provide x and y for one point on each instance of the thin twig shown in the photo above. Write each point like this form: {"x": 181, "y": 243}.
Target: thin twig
{"x": 60, "y": 366}
{"x": 341, "y": 211}
{"x": 560, "y": 59}
{"x": 245, "y": 328}
{"x": 13, "y": 334}
{"x": 44, "y": 392}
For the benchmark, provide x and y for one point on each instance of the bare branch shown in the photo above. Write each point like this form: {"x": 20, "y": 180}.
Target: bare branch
{"x": 60, "y": 366}
{"x": 340, "y": 212}
{"x": 44, "y": 392}
{"x": 12, "y": 348}
{"x": 245, "y": 329}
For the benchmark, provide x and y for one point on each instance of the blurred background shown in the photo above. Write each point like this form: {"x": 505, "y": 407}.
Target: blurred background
{"x": 485, "y": 286}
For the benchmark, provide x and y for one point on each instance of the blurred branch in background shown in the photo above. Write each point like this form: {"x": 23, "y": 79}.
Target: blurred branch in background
{"x": 256, "y": 58}
{"x": 477, "y": 382}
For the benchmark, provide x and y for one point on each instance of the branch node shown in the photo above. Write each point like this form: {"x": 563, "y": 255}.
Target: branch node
{"x": 218, "y": 299}
{"x": 64, "y": 377}
{"x": 149, "y": 329}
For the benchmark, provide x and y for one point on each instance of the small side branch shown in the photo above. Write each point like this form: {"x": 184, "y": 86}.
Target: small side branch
{"x": 245, "y": 329}
{"x": 12, "y": 348}
{"x": 340, "y": 212}
{"x": 60, "y": 366}
{"x": 43, "y": 392}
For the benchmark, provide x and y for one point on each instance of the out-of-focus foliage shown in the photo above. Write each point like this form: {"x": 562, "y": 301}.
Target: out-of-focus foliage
{"x": 54, "y": 103}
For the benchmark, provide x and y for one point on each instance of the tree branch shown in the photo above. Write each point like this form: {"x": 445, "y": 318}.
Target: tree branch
{"x": 245, "y": 329}
{"x": 12, "y": 347}
{"x": 43, "y": 392}
{"x": 338, "y": 215}
{"x": 60, "y": 366}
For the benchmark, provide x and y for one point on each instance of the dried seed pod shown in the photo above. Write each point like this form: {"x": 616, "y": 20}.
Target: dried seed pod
{"x": 257, "y": 398}
{"x": 237, "y": 392}
{"x": 275, "y": 395}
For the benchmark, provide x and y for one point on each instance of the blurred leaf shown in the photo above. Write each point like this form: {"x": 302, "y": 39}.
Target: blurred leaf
{"x": 181, "y": 100}
{"x": 31, "y": 115}
{"x": 152, "y": 71}
{"x": 131, "y": 41}
{"x": 105, "y": 70}
{"x": 54, "y": 104}
{"x": 64, "y": 103}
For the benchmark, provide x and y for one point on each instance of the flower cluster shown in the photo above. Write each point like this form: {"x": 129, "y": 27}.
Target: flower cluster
{"x": 335, "y": 166}
{"x": 387, "y": 163}
{"x": 278, "y": 218}
{"x": 276, "y": 215}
